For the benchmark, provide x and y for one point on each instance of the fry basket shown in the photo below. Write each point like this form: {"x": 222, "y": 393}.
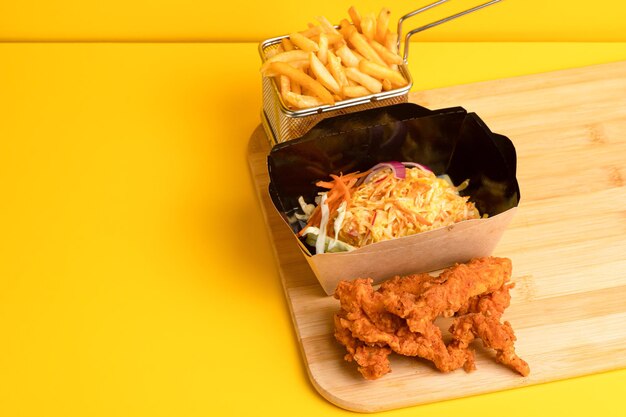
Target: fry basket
{"x": 282, "y": 124}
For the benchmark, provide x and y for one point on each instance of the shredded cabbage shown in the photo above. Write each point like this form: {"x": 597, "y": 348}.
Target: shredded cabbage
{"x": 320, "y": 242}
{"x": 341, "y": 215}
{"x": 331, "y": 245}
{"x": 387, "y": 207}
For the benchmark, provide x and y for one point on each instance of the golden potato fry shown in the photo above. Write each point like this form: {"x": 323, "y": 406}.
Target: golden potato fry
{"x": 313, "y": 30}
{"x": 287, "y": 56}
{"x": 387, "y": 56}
{"x": 346, "y": 29}
{"x": 356, "y": 17}
{"x": 304, "y": 80}
{"x": 363, "y": 79}
{"x": 286, "y": 44}
{"x": 327, "y": 27}
{"x": 300, "y": 64}
{"x": 358, "y": 55}
{"x": 284, "y": 84}
{"x": 295, "y": 87}
{"x": 323, "y": 75}
{"x": 363, "y": 47}
{"x": 348, "y": 58}
{"x": 387, "y": 85}
{"x": 307, "y": 92}
{"x": 391, "y": 44}
{"x": 335, "y": 38}
{"x": 337, "y": 70}
{"x": 352, "y": 91}
{"x": 368, "y": 26}
{"x": 303, "y": 42}
{"x": 322, "y": 54}
{"x": 382, "y": 72}
{"x": 382, "y": 24}
{"x": 300, "y": 101}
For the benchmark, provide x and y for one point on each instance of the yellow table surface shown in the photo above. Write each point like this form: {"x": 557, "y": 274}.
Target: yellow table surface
{"x": 136, "y": 275}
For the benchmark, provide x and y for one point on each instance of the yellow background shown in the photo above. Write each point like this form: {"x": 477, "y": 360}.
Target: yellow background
{"x": 136, "y": 275}
{"x": 511, "y": 20}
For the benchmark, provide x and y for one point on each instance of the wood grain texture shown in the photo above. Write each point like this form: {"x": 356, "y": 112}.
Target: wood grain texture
{"x": 567, "y": 243}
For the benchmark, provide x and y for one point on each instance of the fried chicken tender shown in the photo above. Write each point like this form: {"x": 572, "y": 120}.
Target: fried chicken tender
{"x": 372, "y": 360}
{"x": 495, "y": 335}
{"x": 399, "y": 317}
{"x": 454, "y": 288}
{"x": 370, "y": 333}
{"x": 481, "y": 318}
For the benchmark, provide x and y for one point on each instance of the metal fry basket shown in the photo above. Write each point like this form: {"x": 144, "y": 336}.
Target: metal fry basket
{"x": 282, "y": 124}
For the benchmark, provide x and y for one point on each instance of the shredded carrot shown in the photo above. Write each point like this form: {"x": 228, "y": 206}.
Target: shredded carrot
{"x": 413, "y": 214}
{"x": 338, "y": 192}
{"x": 325, "y": 184}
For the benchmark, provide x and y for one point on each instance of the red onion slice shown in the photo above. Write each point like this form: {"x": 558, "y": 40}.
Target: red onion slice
{"x": 396, "y": 167}
{"x": 416, "y": 165}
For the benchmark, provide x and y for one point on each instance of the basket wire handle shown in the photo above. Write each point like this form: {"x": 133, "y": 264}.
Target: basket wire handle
{"x": 436, "y": 23}
{"x": 413, "y": 13}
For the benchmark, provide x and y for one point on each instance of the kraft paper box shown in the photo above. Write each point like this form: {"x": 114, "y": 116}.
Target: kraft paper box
{"x": 450, "y": 141}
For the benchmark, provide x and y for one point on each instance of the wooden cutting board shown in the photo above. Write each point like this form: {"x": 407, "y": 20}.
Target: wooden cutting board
{"x": 567, "y": 243}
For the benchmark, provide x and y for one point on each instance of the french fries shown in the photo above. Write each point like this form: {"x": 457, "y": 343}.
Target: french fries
{"x": 287, "y": 56}
{"x": 389, "y": 57}
{"x": 362, "y": 46}
{"x": 324, "y": 64}
{"x": 337, "y": 70}
{"x": 352, "y": 91}
{"x": 371, "y": 83}
{"x": 323, "y": 75}
{"x": 286, "y": 44}
{"x": 301, "y": 101}
{"x": 303, "y": 42}
{"x": 382, "y": 72}
{"x": 304, "y": 80}
{"x": 322, "y": 54}
{"x": 356, "y": 17}
{"x": 382, "y": 24}
{"x": 347, "y": 56}
{"x": 368, "y": 26}
{"x": 326, "y": 25}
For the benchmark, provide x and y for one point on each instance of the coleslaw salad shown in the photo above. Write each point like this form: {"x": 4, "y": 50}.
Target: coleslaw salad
{"x": 389, "y": 201}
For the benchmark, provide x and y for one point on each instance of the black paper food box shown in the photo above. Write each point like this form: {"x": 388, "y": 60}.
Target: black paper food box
{"x": 449, "y": 141}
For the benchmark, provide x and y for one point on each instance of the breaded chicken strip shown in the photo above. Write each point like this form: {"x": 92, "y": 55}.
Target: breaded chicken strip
{"x": 454, "y": 288}
{"x": 400, "y": 315}
{"x": 481, "y": 318}
{"x": 372, "y": 360}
